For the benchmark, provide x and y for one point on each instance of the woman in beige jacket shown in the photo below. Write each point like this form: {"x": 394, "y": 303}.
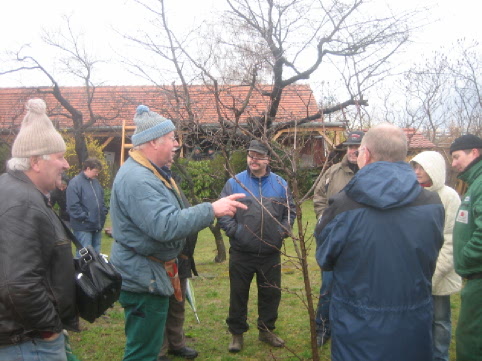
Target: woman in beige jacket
{"x": 430, "y": 170}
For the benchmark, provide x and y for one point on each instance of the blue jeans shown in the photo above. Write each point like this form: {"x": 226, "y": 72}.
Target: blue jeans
{"x": 323, "y": 311}
{"x": 89, "y": 239}
{"x": 441, "y": 327}
{"x": 35, "y": 350}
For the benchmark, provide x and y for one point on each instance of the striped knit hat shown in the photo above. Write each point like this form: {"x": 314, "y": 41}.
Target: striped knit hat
{"x": 37, "y": 134}
{"x": 150, "y": 126}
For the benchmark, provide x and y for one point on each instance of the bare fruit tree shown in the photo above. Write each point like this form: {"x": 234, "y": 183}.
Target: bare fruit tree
{"x": 278, "y": 43}
{"x": 75, "y": 61}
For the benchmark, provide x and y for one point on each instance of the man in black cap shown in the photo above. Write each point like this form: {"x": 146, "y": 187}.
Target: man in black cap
{"x": 332, "y": 182}
{"x": 256, "y": 236}
{"x": 466, "y": 154}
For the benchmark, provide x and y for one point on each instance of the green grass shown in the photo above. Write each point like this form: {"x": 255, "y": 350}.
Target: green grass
{"x": 104, "y": 339}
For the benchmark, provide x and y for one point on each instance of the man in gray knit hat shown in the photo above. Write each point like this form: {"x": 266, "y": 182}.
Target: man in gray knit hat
{"x": 150, "y": 225}
{"x": 37, "y": 292}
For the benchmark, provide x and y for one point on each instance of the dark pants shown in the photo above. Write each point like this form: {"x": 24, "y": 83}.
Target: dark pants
{"x": 242, "y": 268}
{"x": 469, "y": 328}
{"x": 323, "y": 311}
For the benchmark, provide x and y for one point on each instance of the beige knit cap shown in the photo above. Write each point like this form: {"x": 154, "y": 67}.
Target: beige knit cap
{"x": 37, "y": 134}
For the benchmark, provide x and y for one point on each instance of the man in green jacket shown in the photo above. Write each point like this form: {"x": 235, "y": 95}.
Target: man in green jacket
{"x": 466, "y": 154}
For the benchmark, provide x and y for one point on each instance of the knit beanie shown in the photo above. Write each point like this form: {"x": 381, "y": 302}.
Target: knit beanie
{"x": 467, "y": 141}
{"x": 149, "y": 126}
{"x": 37, "y": 134}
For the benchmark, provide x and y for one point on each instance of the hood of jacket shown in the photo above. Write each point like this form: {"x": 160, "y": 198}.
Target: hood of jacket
{"x": 434, "y": 164}
{"x": 384, "y": 185}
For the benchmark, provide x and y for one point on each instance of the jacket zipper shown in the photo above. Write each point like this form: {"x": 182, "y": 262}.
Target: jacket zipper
{"x": 262, "y": 215}
{"x": 96, "y": 199}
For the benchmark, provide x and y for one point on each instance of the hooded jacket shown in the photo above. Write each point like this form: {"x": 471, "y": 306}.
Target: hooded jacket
{"x": 381, "y": 237}
{"x": 37, "y": 288}
{"x": 445, "y": 281}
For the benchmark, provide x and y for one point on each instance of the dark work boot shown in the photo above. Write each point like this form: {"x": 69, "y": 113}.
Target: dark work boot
{"x": 271, "y": 339}
{"x": 186, "y": 352}
{"x": 236, "y": 343}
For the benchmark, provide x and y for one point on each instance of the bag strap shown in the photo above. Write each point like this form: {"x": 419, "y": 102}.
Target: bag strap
{"x": 70, "y": 235}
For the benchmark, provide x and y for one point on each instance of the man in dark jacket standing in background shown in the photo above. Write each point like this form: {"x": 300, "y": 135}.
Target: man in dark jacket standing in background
{"x": 381, "y": 237}
{"x": 37, "y": 288}
{"x": 256, "y": 236}
{"x": 85, "y": 204}
{"x": 466, "y": 154}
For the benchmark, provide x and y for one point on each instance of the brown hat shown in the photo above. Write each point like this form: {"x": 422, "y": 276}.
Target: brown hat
{"x": 37, "y": 134}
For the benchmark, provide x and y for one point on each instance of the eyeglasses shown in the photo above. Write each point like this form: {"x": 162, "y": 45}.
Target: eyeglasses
{"x": 257, "y": 158}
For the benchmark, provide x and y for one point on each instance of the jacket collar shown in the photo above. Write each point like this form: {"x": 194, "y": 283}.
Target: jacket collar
{"x": 168, "y": 181}
{"x": 347, "y": 166}
{"x": 21, "y": 176}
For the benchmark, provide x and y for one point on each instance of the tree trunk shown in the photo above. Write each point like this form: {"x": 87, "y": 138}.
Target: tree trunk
{"x": 81, "y": 148}
{"x": 218, "y": 238}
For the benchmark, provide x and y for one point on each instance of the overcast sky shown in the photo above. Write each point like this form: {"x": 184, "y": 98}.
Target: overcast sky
{"x": 22, "y": 21}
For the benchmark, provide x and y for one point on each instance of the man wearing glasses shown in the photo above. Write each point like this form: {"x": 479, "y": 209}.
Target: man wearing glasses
{"x": 256, "y": 236}
{"x": 381, "y": 237}
{"x": 332, "y": 182}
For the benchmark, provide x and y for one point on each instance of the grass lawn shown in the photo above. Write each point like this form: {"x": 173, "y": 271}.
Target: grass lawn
{"x": 104, "y": 339}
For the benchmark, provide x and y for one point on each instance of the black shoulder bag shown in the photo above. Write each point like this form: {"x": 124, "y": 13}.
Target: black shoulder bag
{"x": 98, "y": 283}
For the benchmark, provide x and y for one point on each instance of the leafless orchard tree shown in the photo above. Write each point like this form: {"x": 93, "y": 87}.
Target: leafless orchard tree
{"x": 281, "y": 43}
{"x": 440, "y": 97}
{"x": 428, "y": 95}
{"x": 467, "y": 73}
{"x": 75, "y": 61}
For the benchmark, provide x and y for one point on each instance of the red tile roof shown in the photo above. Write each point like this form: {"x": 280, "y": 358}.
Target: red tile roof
{"x": 115, "y": 103}
{"x": 417, "y": 140}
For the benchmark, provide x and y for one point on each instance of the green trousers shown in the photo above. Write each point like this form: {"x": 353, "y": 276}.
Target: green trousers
{"x": 469, "y": 327}
{"x": 145, "y": 319}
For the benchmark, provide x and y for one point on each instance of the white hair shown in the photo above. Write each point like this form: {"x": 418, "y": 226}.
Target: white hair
{"x": 23, "y": 164}
{"x": 159, "y": 140}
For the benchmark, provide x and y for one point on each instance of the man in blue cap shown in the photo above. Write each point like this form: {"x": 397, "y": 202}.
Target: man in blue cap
{"x": 150, "y": 224}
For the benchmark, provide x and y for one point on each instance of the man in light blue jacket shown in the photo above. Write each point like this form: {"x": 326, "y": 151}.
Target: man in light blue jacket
{"x": 150, "y": 225}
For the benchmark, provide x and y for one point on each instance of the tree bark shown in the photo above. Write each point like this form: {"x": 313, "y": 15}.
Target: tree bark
{"x": 218, "y": 239}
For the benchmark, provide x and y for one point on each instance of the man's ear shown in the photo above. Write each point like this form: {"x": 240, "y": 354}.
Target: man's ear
{"x": 34, "y": 163}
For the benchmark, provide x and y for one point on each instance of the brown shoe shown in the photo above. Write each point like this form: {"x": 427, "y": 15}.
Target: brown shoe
{"x": 236, "y": 343}
{"x": 271, "y": 339}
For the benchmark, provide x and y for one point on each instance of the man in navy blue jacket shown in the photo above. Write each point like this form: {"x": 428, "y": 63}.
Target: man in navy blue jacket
{"x": 381, "y": 237}
{"x": 85, "y": 204}
{"x": 256, "y": 236}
